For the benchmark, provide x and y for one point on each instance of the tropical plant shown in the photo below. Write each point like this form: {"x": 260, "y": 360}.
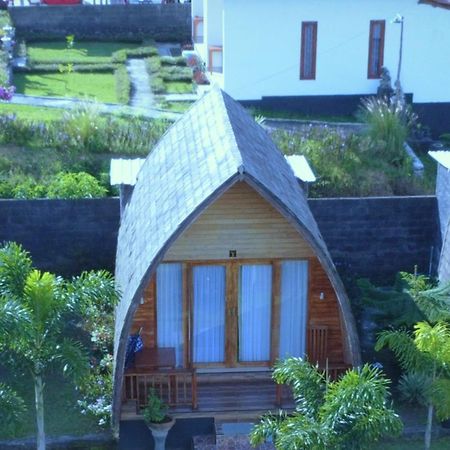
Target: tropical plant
{"x": 348, "y": 413}
{"x": 34, "y": 311}
{"x": 156, "y": 410}
{"x": 388, "y": 126}
{"x": 12, "y": 407}
{"x": 426, "y": 351}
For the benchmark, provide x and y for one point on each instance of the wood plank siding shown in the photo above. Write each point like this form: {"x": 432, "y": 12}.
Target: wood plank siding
{"x": 240, "y": 220}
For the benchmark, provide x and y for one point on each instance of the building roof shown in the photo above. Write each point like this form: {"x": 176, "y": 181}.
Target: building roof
{"x": 302, "y": 170}
{"x": 438, "y": 3}
{"x": 442, "y": 157}
{"x": 125, "y": 171}
{"x": 211, "y": 147}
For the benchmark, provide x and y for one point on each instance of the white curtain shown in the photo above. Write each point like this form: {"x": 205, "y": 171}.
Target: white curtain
{"x": 293, "y": 314}
{"x": 169, "y": 308}
{"x": 255, "y": 312}
{"x": 209, "y": 314}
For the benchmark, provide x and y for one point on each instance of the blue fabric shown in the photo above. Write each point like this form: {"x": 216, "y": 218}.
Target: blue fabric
{"x": 135, "y": 344}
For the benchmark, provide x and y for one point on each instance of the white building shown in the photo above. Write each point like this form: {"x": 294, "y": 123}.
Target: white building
{"x": 323, "y": 55}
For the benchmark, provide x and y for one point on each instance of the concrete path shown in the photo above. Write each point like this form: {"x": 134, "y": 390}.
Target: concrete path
{"x": 70, "y": 103}
{"x": 181, "y": 97}
{"x": 141, "y": 93}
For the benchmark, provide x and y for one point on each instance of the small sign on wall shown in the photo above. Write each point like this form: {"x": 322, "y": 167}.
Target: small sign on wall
{"x": 232, "y": 253}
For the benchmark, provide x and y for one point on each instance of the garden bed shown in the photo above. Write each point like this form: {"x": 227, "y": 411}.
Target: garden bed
{"x": 93, "y": 70}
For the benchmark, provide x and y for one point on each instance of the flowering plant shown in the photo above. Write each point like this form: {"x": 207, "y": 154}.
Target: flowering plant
{"x": 7, "y": 92}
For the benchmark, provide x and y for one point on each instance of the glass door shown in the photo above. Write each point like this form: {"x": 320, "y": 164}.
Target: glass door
{"x": 255, "y": 306}
{"x": 208, "y": 314}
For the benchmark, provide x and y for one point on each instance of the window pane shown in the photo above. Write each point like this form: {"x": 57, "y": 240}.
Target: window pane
{"x": 209, "y": 314}
{"x": 255, "y": 307}
{"x": 169, "y": 308}
{"x": 293, "y": 314}
{"x": 308, "y": 55}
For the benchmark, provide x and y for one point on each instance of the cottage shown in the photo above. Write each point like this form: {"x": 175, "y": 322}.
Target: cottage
{"x": 222, "y": 267}
{"x": 442, "y": 157}
{"x": 321, "y": 56}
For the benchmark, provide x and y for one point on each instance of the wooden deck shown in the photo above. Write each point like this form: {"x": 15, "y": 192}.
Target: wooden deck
{"x": 227, "y": 396}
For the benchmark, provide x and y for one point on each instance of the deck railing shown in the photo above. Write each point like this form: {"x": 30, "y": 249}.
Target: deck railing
{"x": 176, "y": 387}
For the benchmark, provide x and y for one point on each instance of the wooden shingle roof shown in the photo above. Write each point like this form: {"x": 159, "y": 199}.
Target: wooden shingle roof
{"x": 211, "y": 147}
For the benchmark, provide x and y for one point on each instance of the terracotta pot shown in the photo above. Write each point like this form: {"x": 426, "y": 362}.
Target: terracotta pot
{"x": 160, "y": 432}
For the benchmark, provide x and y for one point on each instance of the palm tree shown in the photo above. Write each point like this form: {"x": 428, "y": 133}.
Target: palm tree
{"x": 34, "y": 308}
{"x": 345, "y": 414}
{"x": 12, "y": 407}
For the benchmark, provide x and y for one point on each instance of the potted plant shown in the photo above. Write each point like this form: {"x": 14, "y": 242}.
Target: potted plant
{"x": 156, "y": 418}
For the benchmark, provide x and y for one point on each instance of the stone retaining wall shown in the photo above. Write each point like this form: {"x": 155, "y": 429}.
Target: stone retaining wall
{"x": 171, "y": 22}
{"x": 372, "y": 237}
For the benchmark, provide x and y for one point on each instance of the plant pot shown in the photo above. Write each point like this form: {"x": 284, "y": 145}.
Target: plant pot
{"x": 160, "y": 432}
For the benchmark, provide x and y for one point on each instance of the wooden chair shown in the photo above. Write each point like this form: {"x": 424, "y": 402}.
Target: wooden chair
{"x": 317, "y": 345}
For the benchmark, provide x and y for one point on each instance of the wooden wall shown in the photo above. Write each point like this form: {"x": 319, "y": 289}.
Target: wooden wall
{"x": 240, "y": 220}
{"x": 325, "y": 311}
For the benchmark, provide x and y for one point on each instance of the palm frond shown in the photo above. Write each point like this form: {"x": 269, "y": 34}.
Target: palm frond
{"x": 93, "y": 289}
{"x": 402, "y": 344}
{"x": 440, "y": 397}
{"x": 14, "y": 319}
{"x": 73, "y": 359}
{"x": 434, "y": 303}
{"x": 12, "y": 407}
{"x": 434, "y": 340}
{"x": 267, "y": 428}
{"x": 15, "y": 266}
{"x": 306, "y": 381}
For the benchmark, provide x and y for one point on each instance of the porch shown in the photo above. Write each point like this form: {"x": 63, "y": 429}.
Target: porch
{"x": 223, "y": 393}
{"x": 225, "y": 396}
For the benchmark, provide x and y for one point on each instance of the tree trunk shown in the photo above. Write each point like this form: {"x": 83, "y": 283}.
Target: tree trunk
{"x": 39, "y": 400}
{"x": 428, "y": 427}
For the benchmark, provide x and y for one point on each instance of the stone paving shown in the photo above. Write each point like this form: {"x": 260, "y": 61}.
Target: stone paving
{"x": 71, "y": 103}
{"x": 141, "y": 93}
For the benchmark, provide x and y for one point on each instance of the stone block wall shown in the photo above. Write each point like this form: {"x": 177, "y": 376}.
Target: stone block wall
{"x": 171, "y": 22}
{"x": 371, "y": 237}
{"x": 63, "y": 236}
{"x": 377, "y": 237}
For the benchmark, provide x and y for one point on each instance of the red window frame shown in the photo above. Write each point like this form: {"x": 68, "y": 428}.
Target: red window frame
{"x": 376, "y": 56}
{"x": 308, "y": 54}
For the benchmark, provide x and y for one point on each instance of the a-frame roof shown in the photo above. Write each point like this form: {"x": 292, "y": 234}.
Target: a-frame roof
{"x": 215, "y": 144}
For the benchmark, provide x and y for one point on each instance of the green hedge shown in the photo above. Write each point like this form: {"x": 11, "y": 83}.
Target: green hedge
{"x": 141, "y": 52}
{"x": 89, "y": 68}
{"x": 176, "y": 73}
{"x": 173, "y": 61}
{"x": 123, "y": 85}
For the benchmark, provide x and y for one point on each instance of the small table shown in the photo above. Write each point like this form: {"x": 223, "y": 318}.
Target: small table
{"x": 151, "y": 359}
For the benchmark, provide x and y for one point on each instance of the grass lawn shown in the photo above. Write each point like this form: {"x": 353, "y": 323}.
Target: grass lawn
{"x": 273, "y": 114}
{"x": 180, "y": 107}
{"x": 408, "y": 444}
{"x": 98, "y": 86}
{"x": 178, "y": 87}
{"x": 81, "y": 53}
{"x": 62, "y": 414}
{"x": 35, "y": 113}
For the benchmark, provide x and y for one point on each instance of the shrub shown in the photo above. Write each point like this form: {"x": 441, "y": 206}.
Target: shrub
{"x": 53, "y": 67}
{"x": 153, "y": 64}
{"x": 121, "y": 56}
{"x": 389, "y": 125}
{"x": 414, "y": 388}
{"x": 123, "y": 85}
{"x": 173, "y": 61}
{"x": 346, "y": 165}
{"x": 176, "y": 73}
{"x": 157, "y": 85}
{"x": 29, "y": 188}
{"x": 75, "y": 185}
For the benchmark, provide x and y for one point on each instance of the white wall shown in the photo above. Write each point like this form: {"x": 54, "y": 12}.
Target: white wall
{"x": 262, "y": 47}
{"x": 214, "y": 21}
